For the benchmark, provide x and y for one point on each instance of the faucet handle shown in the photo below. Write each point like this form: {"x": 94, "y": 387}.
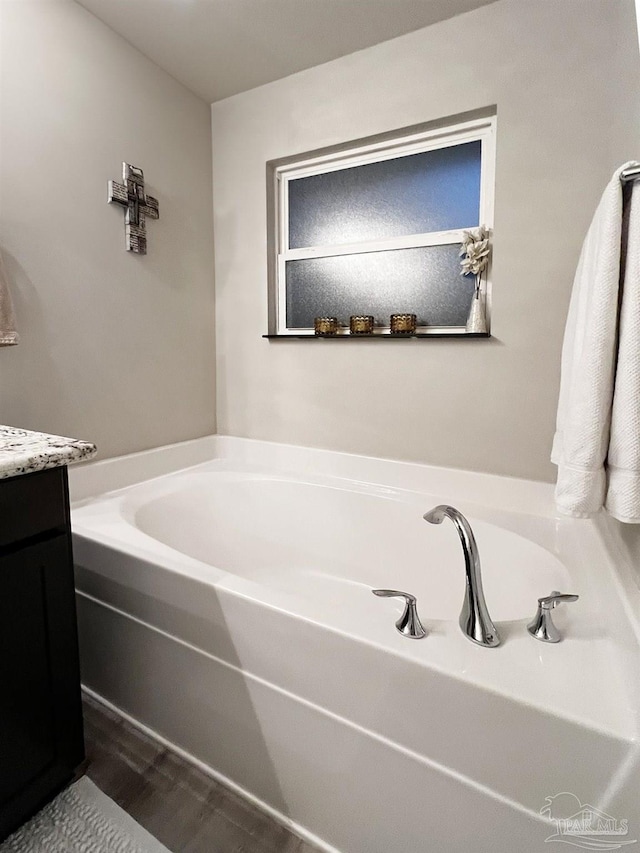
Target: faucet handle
{"x": 556, "y": 598}
{"x": 541, "y": 626}
{"x": 408, "y": 624}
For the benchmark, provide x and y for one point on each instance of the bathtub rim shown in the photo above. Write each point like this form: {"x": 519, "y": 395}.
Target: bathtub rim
{"x": 99, "y": 477}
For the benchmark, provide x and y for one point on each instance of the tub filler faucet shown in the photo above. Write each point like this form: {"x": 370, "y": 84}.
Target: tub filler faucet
{"x": 474, "y": 617}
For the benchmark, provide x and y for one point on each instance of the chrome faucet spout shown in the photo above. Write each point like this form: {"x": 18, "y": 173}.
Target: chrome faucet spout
{"x": 475, "y": 620}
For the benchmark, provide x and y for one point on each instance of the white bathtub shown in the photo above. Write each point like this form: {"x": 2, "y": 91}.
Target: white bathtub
{"x": 224, "y": 593}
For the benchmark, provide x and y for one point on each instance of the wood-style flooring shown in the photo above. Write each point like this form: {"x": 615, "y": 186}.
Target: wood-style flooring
{"x": 186, "y": 810}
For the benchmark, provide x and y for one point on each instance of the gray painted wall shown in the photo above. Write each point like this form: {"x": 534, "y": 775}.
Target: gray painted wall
{"x": 553, "y": 69}
{"x": 116, "y": 348}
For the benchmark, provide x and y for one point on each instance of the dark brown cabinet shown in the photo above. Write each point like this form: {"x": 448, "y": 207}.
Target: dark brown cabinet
{"x": 41, "y": 737}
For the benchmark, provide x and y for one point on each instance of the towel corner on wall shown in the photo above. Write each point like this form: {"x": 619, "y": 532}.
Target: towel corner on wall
{"x": 597, "y": 441}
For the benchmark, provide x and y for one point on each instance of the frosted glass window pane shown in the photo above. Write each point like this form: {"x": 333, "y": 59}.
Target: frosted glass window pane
{"x": 423, "y": 281}
{"x": 432, "y": 191}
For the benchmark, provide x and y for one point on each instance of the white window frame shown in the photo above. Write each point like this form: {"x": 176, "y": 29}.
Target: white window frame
{"x": 482, "y": 129}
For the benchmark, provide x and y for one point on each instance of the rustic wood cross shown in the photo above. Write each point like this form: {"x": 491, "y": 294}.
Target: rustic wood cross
{"x": 130, "y": 195}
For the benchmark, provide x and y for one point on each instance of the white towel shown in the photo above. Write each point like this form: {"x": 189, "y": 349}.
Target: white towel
{"x": 623, "y": 461}
{"x": 597, "y": 442}
{"x": 8, "y": 332}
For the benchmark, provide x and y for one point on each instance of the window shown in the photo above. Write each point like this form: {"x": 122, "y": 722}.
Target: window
{"x": 376, "y": 229}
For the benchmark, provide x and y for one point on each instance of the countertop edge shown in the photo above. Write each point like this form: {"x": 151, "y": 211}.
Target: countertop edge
{"x": 25, "y": 451}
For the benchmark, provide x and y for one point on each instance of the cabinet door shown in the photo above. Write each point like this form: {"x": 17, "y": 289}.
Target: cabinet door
{"x": 41, "y": 738}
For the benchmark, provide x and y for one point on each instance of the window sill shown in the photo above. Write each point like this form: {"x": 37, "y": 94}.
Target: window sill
{"x": 378, "y": 337}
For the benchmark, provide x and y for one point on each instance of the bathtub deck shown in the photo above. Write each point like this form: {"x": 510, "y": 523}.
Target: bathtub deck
{"x": 182, "y": 807}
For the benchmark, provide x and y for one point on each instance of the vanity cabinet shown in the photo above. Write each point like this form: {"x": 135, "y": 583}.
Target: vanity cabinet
{"x": 41, "y": 735}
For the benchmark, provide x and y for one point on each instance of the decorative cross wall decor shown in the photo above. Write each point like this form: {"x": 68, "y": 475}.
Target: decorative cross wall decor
{"x": 130, "y": 195}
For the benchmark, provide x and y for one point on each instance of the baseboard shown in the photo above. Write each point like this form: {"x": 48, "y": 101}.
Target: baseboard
{"x": 280, "y": 818}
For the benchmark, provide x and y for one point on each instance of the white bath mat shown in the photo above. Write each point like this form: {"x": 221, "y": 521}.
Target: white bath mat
{"x": 82, "y": 820}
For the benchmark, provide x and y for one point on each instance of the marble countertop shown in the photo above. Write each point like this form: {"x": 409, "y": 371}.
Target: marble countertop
{"x": 23, "y": 451}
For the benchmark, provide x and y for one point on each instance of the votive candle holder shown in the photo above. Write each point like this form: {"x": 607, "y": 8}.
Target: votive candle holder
{"x": 325, "y": 326}
{"x": 361, "y": 324}
{"x": 403, "y": 324}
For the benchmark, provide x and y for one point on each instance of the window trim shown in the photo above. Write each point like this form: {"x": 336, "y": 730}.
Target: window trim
{"x": 481, "y": 129}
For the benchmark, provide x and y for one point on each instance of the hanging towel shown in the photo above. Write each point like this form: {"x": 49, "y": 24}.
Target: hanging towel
{"x": 623, "y": 460}
{"x": 8, "y": 332}
{"x": 597, "y": 442}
